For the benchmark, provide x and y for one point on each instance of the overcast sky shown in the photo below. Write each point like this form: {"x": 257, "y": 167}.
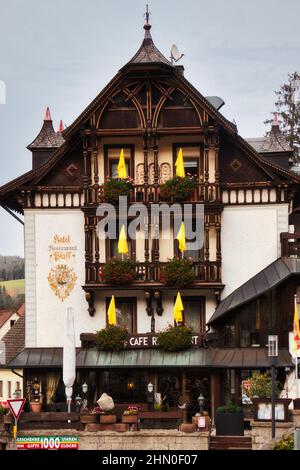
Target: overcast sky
{"x": 61, "y": 53}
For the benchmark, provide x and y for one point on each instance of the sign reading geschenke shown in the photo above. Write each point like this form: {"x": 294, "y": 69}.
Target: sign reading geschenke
{"x": 148, "y": 341}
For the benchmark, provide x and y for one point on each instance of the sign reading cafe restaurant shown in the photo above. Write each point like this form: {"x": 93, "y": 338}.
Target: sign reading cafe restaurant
{"x": 149, "y": 341}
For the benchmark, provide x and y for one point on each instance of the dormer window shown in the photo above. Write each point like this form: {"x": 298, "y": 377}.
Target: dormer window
{"x": 112, "y": 156}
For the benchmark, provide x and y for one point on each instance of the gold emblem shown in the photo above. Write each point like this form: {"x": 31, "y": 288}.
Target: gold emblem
{"x": 62, "y": 279}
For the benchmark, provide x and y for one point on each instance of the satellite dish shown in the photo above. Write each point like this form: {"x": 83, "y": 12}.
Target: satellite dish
{"x": 175, "y": 55}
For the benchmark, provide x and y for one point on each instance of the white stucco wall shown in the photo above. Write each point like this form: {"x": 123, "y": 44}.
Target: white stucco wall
{"x": 6, "y": 375}
{"x": 250, "y": 241}
{"x": 44, "y": 310}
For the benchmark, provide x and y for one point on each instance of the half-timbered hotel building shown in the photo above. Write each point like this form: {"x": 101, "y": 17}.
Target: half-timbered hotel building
{"x": 246, "y": 273}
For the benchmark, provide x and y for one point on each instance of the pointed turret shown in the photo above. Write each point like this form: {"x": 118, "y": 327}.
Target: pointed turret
{"x": 45, "y": 144}
{"x": 148, "y": 52}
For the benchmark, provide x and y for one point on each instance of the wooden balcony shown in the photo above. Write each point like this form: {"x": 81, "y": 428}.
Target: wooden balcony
{"x": 150, "y": 193}
{"x": 207, "y": 274}
{"x": 290, "y": 244}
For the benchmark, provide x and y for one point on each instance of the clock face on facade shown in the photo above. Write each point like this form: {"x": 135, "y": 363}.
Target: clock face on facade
{"x": 2, "y": 352}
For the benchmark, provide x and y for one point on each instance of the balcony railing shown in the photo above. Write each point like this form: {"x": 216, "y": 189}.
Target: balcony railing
{"x": 290, "y": 244}
{"x": 147, "y": 272}
{"x": 147, "y": 194}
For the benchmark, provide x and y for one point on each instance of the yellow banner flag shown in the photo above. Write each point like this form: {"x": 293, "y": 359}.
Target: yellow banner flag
{"x": 122, "y": 173}
{"x": 122, "y": 243}
{"x": 296, "y": 333}
{"x": 111, "y": 312}
{"x": 180, "y": 165}
{"x": 181, "y": 238}
{"x": 178, "y": 309}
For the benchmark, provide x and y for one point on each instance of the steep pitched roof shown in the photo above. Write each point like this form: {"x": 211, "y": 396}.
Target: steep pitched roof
{"x": 148, "y": 52}
{"x": 4, "y": 316}
{"x": 47, "y": 137}
{"x": 14, "y": 339}
{"x": 267, "y": 279}
{"x": 273, "y": 142}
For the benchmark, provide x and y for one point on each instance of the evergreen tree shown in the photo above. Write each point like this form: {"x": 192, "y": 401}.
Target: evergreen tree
{"x": 288, "y": 109}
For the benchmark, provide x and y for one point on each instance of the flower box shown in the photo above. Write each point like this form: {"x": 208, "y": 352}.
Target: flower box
{"x": 129, "y": 419}
{"x": 88, "y": 418}
{"x": 108, "y": 419}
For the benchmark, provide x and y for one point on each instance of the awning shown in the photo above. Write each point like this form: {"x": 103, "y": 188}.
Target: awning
{"x": 245, "y": 358}
{"x": 262, "y": 282}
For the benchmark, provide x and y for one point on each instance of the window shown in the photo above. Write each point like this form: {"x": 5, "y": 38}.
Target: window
{"x": 194, "y": 313}
{"x": 112, "y": 246}
{"x": 192, "y": 158}
{"x": 1, "y": 388}
{"x": 250, "y": 324}
{"x": 12, "y": 322}
{"x": 195, "y": 255}
{"x": 111, "y": 160}
{"x": 18, "y": 386}
{"x": 229, "y": 336}
{"x": 9, "y": 389}
{"x": 126, "y": 313}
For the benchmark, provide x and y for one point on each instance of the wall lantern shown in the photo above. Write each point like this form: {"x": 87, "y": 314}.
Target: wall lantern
{"x": 85, "y": 387}
{"x": 131, "y": 385}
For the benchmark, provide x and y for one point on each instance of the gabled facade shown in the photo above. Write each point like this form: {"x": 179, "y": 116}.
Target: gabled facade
{"x": 150, "y": 110}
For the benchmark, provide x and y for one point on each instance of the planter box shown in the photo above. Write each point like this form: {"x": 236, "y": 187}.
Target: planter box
{"x": 108, "y": 419}
{"x": 129, "y": 419}
{"x": 229, "y": 424}
{"x": 263, "y": 410}
{"x": 88, "y": 419}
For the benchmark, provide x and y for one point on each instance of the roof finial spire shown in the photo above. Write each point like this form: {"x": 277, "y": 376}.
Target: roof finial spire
{"x": 275, "y": 119}
{"x": 147, "y": 15}
{"x": 47, "y": 116}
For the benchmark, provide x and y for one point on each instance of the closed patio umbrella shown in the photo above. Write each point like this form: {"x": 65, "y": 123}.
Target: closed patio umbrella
{"x": 69, "y": 355}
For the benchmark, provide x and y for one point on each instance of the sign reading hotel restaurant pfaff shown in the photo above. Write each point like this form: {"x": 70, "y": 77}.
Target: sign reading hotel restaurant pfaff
{"x": 149, "y": 341}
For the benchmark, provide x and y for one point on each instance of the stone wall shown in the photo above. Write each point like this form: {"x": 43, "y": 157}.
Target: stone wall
{"x": 141, "y": 440}
{"x": 262, "y": 432}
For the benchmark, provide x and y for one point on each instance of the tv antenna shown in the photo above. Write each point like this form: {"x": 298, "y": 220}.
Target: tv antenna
{"x": 175, "y": 55}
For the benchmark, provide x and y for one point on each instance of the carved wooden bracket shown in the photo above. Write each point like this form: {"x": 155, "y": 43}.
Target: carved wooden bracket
{"x": 159, "y": 307}
{"x": 90, "y": 300}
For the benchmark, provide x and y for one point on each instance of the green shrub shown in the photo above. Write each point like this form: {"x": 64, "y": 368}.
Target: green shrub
{"x": 175, "y": 338}
{"x": 177, "y": 189}
{"x": 178, "y": 272}
{"x": 117, "y": 271}
{"x": 3, "y": 411}
{"x": 287, "y": 443}
{"x": 260, "y": 386}
{"x": 229, "y": 408}
{"x": 112, "y": 338}
{"x": 114, "y": 188}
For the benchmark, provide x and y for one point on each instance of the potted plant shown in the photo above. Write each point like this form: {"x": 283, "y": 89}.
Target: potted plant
{"x": 259, "y": 391}
{"x": 130, "y": 416}
{"x": 89, "y": 416}
{"x": 112, "y": 338}
{"x": 175, "y": 338}
{"x": 119, "y": 271}
{"x": 3, "y": 412}
{"x": 178, "y": 272}
{"x": 178, "y": 189}
{"x": 36, "y": 406}
{"x": 114, "y": 188}
{"x": 229, "y": 420}
{"x": 108, "y": 417}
